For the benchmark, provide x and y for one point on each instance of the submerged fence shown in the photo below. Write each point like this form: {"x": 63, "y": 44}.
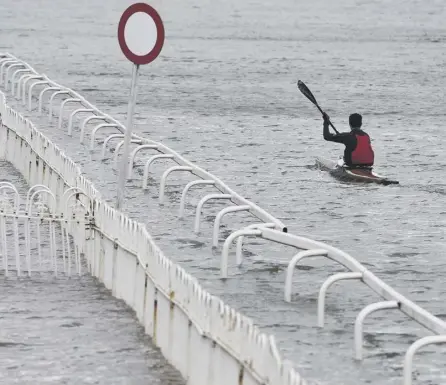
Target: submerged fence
{"x": 206, "y": 340}
{"x": 34, "y": 240}
{"x": 172, "y": 306}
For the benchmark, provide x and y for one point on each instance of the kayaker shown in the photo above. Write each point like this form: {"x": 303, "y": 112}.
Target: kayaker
{"x": 358, "y": 151}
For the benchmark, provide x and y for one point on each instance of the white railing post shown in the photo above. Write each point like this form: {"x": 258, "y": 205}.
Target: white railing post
{"x": 104, "y": 145}
{"x": 2, "y": 68}
{"x": 359, "y": 323}
{"x": 16, "y": 91}
{"x": 40, "y": 98}
{"x": 84, "y": 123}
{"x": 15, "y": 65}
{"x": 30, "y": 195}
{"x": 118, "y": 147}
{"x": 164, "y": 178}
{"x": 50, "y": 110}
{"x": 10, "y": 186}
{"x": 227, "y": 244}
{"x": 149, "y": 163}
{"x": 408, "y": 358}
{"x": 325, "y": 286}
{"x": 66, "y": 101}
{"x": 25, "y": 82}
{"x": 70, "y": 120}
{"x": 30, "y": 92}
{"x": 4, "y": 244}
{"x": 292, "y": 264}
{"x": 200, "y": 207}
{"x": 220, "y": 216}
{"x": 97, "y": 128}
{"x": 133, "y": 155}
{"x": 187, "y": 188}
{"x": 239, "y": 247}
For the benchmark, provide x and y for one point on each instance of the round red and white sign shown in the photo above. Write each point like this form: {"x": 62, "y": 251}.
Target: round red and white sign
{"x": 141, "y": 33}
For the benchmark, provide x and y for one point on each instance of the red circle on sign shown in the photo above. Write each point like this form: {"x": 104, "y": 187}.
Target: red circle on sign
{"x": 153, "y": 54}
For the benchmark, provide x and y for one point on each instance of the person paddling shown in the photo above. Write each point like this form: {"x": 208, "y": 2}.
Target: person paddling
{"x": 358, "y": 151}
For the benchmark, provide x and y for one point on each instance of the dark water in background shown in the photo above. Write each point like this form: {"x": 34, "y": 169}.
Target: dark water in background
{"x": 224, "y": 94}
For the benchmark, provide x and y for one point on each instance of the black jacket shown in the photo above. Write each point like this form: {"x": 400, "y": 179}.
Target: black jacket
{"x": 346, "y": 138}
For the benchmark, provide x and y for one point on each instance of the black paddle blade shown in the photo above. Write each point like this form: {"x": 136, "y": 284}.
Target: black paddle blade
{"x": 304, "y": 89}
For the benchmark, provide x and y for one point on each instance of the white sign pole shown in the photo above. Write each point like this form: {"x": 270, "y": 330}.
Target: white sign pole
{"x": 141, "y": 43}
{"x": 128, "y": 134}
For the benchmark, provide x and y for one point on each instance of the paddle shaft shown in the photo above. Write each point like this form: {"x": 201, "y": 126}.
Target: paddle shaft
{"x": 329, "y": 121}
{"x": 306, "y": 91}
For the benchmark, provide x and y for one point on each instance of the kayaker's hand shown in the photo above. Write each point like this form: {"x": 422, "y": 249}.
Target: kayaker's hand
{"x": 326, "y": 117}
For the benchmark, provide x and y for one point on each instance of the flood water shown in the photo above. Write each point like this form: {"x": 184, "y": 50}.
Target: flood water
{"x": 69, "y": 329}
{"x": 223, "y": 93}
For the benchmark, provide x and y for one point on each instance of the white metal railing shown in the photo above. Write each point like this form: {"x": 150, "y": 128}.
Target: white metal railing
{"x": 202, "y": 337}
{"x": 358, "y": 271}
{"x": 34, "y": 240}
{"x": 27, "y": 82}
{"x": 271, "y": 230}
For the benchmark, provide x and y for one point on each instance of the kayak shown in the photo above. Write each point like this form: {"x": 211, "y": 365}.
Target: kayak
{"x": 341, "y": 172}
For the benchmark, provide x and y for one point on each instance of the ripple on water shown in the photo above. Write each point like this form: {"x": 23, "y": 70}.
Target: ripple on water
{"x": 242, "y": 90}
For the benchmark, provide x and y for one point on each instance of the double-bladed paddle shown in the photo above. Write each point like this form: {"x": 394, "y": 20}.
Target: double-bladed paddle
{"x": 304, "y": 89}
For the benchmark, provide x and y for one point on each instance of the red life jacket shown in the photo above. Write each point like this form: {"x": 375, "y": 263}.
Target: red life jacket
{"x": 363, "y": 153}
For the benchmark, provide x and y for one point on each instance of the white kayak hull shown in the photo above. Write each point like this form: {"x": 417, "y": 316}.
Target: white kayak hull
{"x": 357, "y": 175}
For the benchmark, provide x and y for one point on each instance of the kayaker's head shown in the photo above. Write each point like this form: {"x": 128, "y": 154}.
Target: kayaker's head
{"x": 355, "y": 121}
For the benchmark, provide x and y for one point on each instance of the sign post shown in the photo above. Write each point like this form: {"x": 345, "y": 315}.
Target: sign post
{"x": 141, "y": 38}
